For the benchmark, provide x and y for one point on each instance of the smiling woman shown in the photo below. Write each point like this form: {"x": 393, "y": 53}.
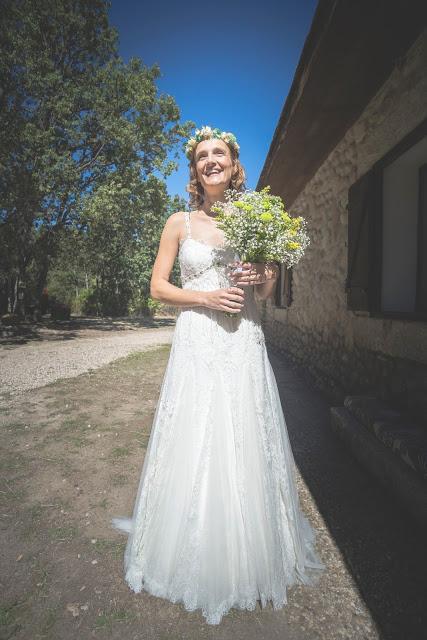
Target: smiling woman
{"x": 218, "y": 155}
{"x": 217, "y": 521}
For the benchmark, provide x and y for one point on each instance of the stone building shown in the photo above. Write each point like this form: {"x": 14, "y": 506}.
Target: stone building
{"x": 349, "y": 154}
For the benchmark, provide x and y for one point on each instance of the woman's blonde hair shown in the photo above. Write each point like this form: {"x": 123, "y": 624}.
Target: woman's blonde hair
{"x": 196, "y": 190}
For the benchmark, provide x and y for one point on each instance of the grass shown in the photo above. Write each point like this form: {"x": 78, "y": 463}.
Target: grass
{"x": 109, "y": 547}
{"x": 63, "y": 534}
{"x": 119, "y": 452}
{"x": 119, "y": 480}
{"x": 9, "y": 616}
{"x": 106, "y": 619}
{"x": 103, "y": 504}
{"x": 50, "y": 617}
{"x": 79, "y": 423}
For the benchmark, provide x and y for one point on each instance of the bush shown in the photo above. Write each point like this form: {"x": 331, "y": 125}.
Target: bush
{"x": 60, "y": 311}
{"x": 10, "y": 318}
{"x": 87, "y": 303}
{"x": 141, "y": 305}
{"x": 101, "y": 302}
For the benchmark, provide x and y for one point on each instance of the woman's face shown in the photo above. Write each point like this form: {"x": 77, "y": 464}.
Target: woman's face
{"x": 214, "y": 165}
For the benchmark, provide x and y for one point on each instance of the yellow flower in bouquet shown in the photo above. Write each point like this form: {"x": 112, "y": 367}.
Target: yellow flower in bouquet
{"x": 259, "y": 229}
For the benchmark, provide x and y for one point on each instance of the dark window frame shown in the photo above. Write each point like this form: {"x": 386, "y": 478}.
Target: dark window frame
{"x": 284, "y": 283}
{"x": 376, "y": 172}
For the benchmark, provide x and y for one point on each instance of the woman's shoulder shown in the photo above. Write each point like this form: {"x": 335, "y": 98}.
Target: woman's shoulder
{"x": 177, "y": 215}
{"x": 180, "y": 215}
{"x": 175, "y": 223}
{"x": 176, "y": 219}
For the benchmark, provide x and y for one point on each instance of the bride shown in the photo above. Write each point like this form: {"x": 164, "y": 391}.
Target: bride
{"x": 217, "y": 521}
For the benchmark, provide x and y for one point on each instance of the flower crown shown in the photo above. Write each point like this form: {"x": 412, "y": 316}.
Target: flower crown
{"x": 207, "y": 132}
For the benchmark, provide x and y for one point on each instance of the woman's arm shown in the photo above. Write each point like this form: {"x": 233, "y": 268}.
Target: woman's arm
{"x": 160, "y": 287}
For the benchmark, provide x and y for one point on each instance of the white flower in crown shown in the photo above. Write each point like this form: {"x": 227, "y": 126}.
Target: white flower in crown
{"x": 207, "y": 132}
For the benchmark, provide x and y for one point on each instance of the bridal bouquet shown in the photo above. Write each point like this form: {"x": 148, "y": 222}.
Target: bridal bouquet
{"x": 258, "y": 228}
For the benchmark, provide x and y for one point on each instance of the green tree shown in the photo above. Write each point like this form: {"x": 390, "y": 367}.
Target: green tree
{"x": 75, "y": 122}
{"x": 105, "y": 269}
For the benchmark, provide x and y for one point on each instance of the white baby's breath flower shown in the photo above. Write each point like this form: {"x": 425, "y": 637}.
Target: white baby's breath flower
{"x": 259, "y": 229}
{"x": 206, "y": 132}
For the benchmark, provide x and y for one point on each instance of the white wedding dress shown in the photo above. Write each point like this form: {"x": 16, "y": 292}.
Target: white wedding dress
{"x": 217, "y": 521}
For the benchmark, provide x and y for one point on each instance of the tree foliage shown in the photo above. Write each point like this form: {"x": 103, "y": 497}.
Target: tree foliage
{"x": 82, "y": 134}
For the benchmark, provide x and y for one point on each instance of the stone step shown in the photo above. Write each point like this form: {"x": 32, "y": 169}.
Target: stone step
{"x": 400, "y": 478}
{"x": 404, "y": 436}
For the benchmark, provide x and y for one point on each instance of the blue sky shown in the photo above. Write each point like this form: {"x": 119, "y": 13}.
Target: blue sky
{"x": 227, "y": 64}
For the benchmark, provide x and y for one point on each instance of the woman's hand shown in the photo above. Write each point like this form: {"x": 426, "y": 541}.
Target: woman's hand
{"x": 231, "y": 299}
{"x": 253, "y": 273}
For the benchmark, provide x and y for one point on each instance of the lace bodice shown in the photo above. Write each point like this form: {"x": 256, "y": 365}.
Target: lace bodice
{"x": 203, "y": 265}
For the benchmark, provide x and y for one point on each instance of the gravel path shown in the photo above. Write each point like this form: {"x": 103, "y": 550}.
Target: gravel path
{"x": 33, "y": 365}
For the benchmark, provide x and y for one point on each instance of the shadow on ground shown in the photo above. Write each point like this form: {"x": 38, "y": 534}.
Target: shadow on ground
{"x": 383, "y": 547}
{"x": 47, "y": 330}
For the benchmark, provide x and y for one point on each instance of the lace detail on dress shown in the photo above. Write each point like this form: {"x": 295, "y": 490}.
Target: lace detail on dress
{"x": 187, "y": 223}
{"x": 217, "y": 521}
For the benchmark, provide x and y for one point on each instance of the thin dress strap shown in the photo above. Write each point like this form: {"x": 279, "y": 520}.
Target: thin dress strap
{"x": 187, "y": 223}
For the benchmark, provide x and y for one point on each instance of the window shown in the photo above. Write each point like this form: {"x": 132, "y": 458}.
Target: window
{"x": 387, "y": 233}
{"x": 283, "y": 296}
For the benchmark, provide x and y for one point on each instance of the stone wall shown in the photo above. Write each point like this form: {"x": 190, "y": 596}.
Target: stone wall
{"x": 342, "y": 350}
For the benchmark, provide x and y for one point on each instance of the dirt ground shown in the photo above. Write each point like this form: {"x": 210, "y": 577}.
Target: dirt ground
{"x": 72, "y": 450}
{"x": 71, "y": 457}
